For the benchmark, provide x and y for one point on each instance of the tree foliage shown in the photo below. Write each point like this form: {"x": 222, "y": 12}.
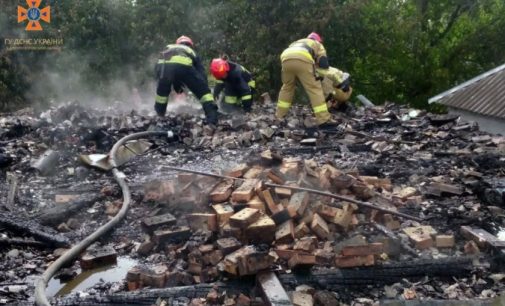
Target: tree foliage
{"x": 399, "y": 50}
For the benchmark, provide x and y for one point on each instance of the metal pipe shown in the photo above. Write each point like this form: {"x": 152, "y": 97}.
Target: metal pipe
{"x": 366, "y": 103}
{"x": 310, "y": 190}
{"x": 41, "y": 283}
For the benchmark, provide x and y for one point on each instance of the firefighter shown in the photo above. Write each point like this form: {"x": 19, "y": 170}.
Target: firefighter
{"x": 302, "y": 60}
{"x": 236, "y": 81}
{"x": 179, "y": 66}
{"x": 337, "y": 89}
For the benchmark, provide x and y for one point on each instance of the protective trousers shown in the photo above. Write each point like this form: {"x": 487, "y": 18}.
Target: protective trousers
{"x": 237, "y": 96}
{"x": 293, "y": 69}
{"x": 181, "y": 75}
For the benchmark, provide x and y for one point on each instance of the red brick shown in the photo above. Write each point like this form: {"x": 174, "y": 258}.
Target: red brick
{"x": 263, "y": 230}
{"x": 245, "y": 192}
{"x": 223, "y": 212}
{"x": 320, "y": 227}
{"x": 363, "y": 250}
{"x": 354, "y": 261}
{"x": 221, "y": 193}
{"x": 444, "y": 241}
{"x": 285, "y": 232}
{"x": 206, "y": 222}
{"x": 267, "y": 196}
{"x": 298, "y": 203}
{"x": 299, "y": 259}
{"x": 238, "y": 171}
{"x": 244, "y": 218}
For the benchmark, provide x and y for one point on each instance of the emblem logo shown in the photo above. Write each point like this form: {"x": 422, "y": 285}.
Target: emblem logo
{"x": 34, "y": 14}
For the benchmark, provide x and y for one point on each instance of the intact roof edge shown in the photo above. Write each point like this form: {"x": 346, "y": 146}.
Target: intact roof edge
{"x": 465, "y": 84}
{"x": 475, "y": 113}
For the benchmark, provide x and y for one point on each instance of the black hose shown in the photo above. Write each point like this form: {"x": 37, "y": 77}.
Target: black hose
{"x": 41, "y": 283}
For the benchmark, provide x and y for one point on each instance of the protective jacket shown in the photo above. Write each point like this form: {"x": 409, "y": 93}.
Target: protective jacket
{"x": 182, "y": 55}
{"x": 336, "y": 87}
{"x": 238, "y": 86}
{"x": 179, "y": 66}
{"x": 307, "y": 50}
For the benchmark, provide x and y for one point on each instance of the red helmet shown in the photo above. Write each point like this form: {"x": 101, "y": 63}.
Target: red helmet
{"x": 315, "y": 37}
{"x": 219, "y": 68}
{"x": 184, "y": 40}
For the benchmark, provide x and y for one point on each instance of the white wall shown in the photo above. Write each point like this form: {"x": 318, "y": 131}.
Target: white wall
{"x": 489, "y": 124}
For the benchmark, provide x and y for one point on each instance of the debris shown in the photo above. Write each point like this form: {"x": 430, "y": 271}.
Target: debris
{"x": 46, "y": 164}
{"x": 152, "y": 223}
{"x": 481, "y": 237}
{"x": 172, "y": 234}
{"x": 421, "y": 236}
{"x": 98, "y": 257}
{"x": 444, "y": 241}
{"x": 271, "y": 289}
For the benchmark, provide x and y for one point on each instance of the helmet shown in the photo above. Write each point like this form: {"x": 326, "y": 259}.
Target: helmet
{"x": 219, "y": 68}
{"x": 315, "y": 37}
{"x": 184, "y": 40}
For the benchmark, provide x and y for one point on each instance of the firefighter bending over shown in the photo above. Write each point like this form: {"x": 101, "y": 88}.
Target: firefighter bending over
{"x": 300, "y": 61}
{"x": 337, "y": 89}
{"x": 236, "y": 81}
{"x": 178, "y": 66}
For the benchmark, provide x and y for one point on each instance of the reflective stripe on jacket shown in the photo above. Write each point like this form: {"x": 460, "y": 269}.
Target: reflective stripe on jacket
{"x": 304, "y": 49}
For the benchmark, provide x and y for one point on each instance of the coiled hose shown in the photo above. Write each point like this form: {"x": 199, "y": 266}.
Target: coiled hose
{"x": 41, "y": 283}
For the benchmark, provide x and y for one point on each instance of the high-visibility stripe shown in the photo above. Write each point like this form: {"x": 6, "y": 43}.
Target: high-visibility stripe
{"x": 207, "y": 98}
{"x": 246, "y": 97}
{"x": 244, "y": 69}
{"x": 230, "y": 99}
{"x": 296, "y": 51}
{"x": 178, "y": 59}
{"x": 185, "y": 48}
{"x": 161, "y": 99}
{"x": 283, "y": 104}
{"x": 252, "y": 83}
{"x": 320, "y": 108}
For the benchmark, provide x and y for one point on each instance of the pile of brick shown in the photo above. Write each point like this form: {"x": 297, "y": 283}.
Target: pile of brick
{"x": 249, "y": 227}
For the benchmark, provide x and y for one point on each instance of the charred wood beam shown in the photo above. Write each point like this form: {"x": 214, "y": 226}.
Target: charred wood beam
{"x": 390, "y": 234}
{"x": 23, "y": 242}
{"x": 34, "y": 229}
{"x": 437, "y": 303}
{"x": 12, "y": 179}
{"x": 381, "y": 274}
{"x": 149, "y": 297}
{"x": 60, "y": 213}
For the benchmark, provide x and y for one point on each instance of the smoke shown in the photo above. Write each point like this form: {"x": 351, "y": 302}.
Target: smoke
{"x": 104, "y": 60}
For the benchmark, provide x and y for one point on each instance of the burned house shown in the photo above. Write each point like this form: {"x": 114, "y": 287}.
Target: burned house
{"x": 481, "y": 99}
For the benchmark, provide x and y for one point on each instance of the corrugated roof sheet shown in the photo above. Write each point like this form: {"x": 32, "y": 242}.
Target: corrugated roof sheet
{"x": 484, "y": 94}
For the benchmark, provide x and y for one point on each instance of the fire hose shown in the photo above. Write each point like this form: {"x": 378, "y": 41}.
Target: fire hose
{"x": 41, "y": 283}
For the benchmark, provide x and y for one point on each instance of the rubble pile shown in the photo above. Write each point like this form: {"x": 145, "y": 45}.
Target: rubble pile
{"x": 186, "y": 229}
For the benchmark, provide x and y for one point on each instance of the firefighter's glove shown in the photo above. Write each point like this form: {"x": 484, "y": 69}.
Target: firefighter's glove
{"x": 345, "y": 84}
{"x": 210, "y": 110}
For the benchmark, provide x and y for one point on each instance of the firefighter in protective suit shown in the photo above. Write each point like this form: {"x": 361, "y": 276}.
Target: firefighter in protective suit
{"x": 304, "y": 60}
{"x": 179, "y": 66}
{"x": 336, "y": 88}
{"x": 236, "y": 81}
